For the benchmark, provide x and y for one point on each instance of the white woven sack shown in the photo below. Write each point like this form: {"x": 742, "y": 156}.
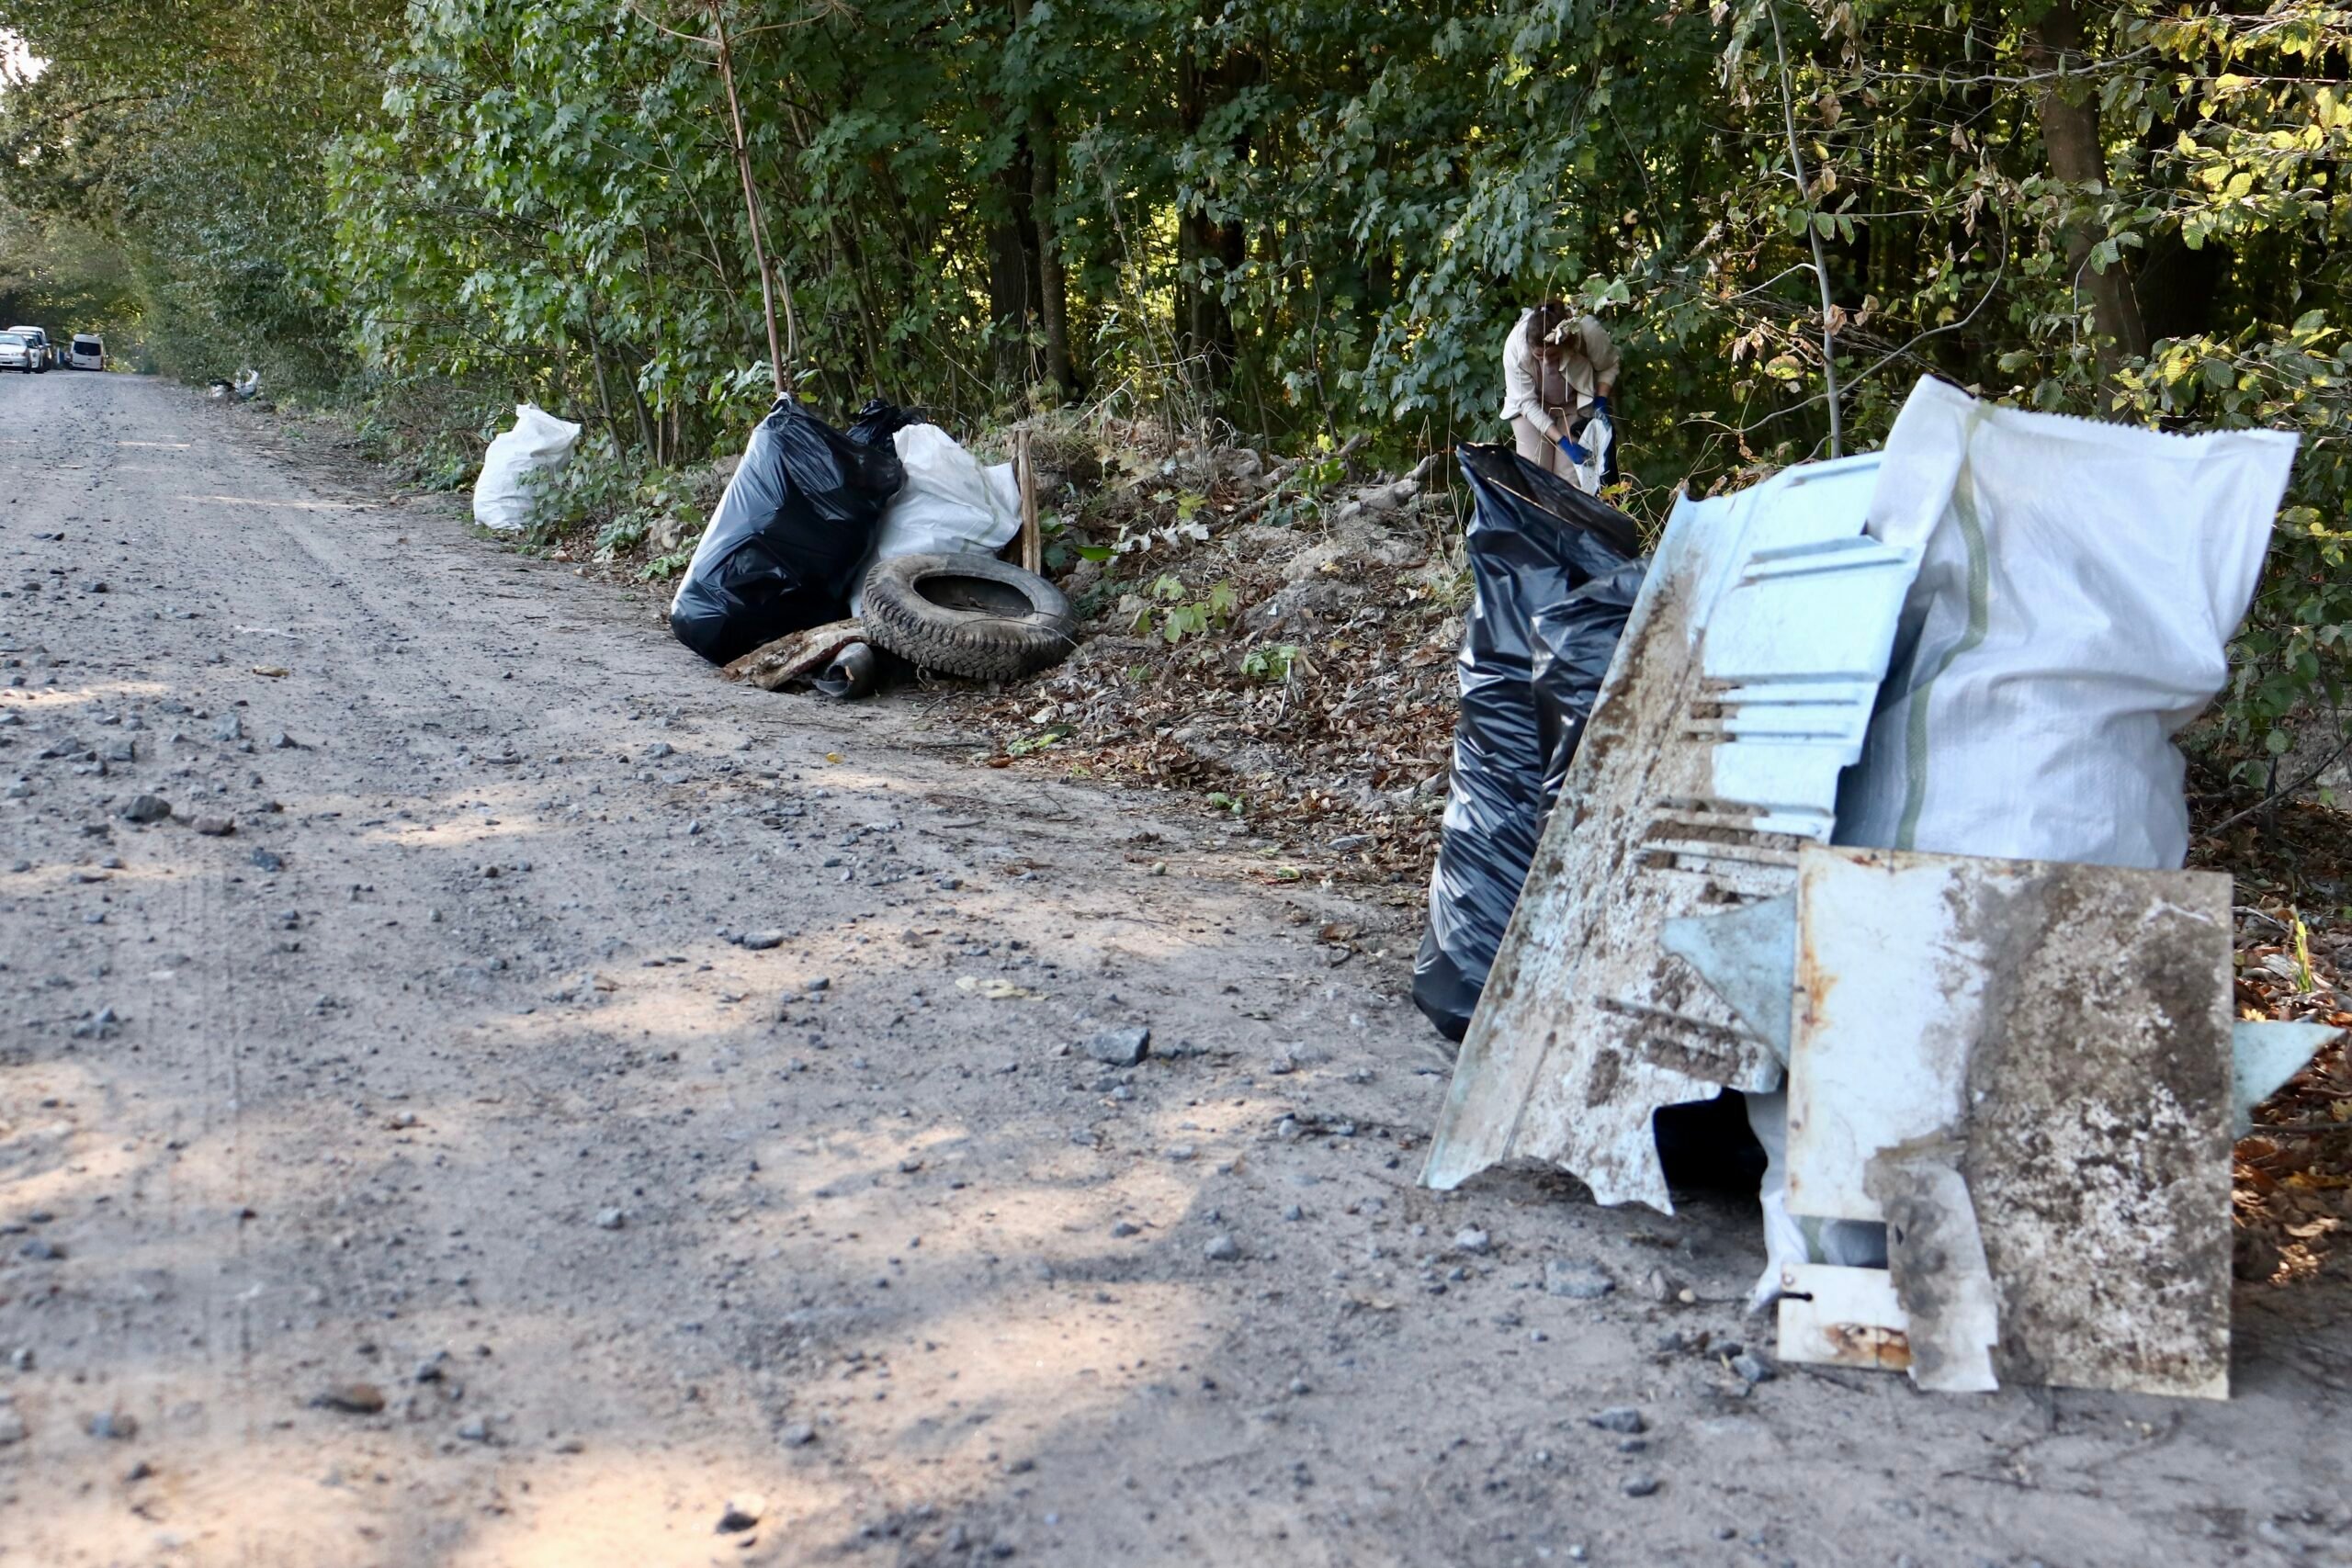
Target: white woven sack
{"x": 949, "y": 504}
{"x": 2073, "y": 611}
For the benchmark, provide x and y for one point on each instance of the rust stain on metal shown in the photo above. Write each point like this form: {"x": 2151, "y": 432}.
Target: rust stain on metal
{"x": 1839, "y": 1316}
{"x": 1869, "y": 1345}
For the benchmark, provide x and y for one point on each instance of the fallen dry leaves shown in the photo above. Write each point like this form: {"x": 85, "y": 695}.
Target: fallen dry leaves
{"x": 1332, "y": 749}
{"x": 2293, "y": 1196}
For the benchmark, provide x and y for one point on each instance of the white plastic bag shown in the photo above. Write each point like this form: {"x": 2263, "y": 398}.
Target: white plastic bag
{"x": 2079, "y": 587}
{"x": 539, "y": 443}
{"x": 949, "y": 504}
{"x": 1596, "y": 438}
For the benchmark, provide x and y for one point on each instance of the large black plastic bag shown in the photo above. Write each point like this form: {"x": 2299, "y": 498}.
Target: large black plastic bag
{"x": 1556, "y": 576}
{"x": 784, "y": 546}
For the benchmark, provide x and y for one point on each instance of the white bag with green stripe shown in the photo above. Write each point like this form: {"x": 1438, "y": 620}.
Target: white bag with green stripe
{"x": 2072, "y": 613}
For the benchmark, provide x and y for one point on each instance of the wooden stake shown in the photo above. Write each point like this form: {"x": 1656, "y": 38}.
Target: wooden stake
{"x": 1033, "y": 544}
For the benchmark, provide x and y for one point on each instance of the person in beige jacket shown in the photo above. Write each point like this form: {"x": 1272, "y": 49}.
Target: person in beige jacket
{"x": 1558, "y": 370}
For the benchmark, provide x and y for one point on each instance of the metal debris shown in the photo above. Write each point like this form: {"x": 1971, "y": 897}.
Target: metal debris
{"x": 2046, "y": 1045}
{"x": 1742, "y": 687}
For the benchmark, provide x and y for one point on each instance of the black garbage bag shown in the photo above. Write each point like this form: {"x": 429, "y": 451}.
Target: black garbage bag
{"x": 784, "y": 545}
{"x": 1556, "y": 572}
{"x": 878, "y": 420}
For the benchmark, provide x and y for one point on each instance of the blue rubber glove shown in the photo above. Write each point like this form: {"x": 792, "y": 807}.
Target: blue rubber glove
{"x": 1600, "y": 406}
{"x": 1576, "y": 454}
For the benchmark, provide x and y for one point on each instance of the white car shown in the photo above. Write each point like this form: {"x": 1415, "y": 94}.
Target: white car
{"x": 18, "y": 353}
{"x": 44, "y": 352}
{"x": 86, "y": 352}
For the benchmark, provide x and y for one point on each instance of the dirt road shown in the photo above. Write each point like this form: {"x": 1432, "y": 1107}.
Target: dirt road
{"x": 415, "y": 1061}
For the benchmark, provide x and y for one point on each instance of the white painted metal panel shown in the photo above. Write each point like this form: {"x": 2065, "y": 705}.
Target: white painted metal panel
{"x": 1842, "y": 1318}
{"x": 2039, "y": 1054}
{"x": 1888, "y": 1000}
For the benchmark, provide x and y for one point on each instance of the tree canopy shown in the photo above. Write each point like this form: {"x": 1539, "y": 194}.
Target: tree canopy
{"x": 1300, "y": 219}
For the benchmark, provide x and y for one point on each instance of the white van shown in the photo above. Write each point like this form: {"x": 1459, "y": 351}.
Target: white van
{"x": 86, "y": 352}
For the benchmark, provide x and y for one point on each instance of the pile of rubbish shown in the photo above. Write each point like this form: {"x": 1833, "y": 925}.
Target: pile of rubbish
{"x": 1314, "y": 696}
{"x": 833, "y": 551}
{"x": 829, "y": 546}
{"x": 1877, "y": 819}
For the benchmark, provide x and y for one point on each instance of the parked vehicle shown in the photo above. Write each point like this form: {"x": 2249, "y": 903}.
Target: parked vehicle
{"x": 86, "y": 352}
{"x": 44, "y": 352}
{"x": 16, "y": 353}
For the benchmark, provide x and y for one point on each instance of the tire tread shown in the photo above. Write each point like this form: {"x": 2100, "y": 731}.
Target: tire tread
{"x": 970, "y": 643}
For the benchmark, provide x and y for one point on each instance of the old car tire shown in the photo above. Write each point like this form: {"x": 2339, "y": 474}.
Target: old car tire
{"x": 968, "y": 615}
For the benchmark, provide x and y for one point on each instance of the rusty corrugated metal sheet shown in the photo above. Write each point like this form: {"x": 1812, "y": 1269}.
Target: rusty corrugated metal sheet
{"x": 1742, "y": 687}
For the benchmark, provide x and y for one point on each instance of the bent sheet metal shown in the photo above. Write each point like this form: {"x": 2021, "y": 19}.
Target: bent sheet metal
{"x": 1743, "y": 685}
{"x": 2024, "y": 1066}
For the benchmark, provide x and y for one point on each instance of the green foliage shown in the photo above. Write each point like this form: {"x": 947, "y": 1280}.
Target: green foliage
{"x": 1059, "y": 552}
{"x": 1302, "y": 220}
{"x": 2297, "y": 641}
{"x": 1273, "y": 662}
{"x": 1052, "y": 735}
{"x": 664, "y": 567}
{"x": 193, "y": 144}
{"x": 608, "y": 495}
{"x": 60, "y": 274}
{"x": 1169, "y": 610}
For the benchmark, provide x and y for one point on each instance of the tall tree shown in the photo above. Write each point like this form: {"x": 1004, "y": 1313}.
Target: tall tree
{"x": 2065, "y": 101}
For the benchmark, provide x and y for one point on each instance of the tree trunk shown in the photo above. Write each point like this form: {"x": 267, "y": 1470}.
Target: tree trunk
{"x": 1207, "y": 249}
{"x": 645, "y": 436}
{"x": 851, "y": 260}
{"x": 604, "y": 397}
{"x": 1013, "y": 265}
{"x": 1210, "y": 250}
{"x": 1052, "y": 297}
{"x": 752, "y": 218}
{"x": 596, "y": 357}
{"x": 2070, "y": 140}
{"x": 1223, "y": 245}
{"x": 2179, "y": 289}
{"x": 1035, "y": 183}
{"x": 1008, "y": 287}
